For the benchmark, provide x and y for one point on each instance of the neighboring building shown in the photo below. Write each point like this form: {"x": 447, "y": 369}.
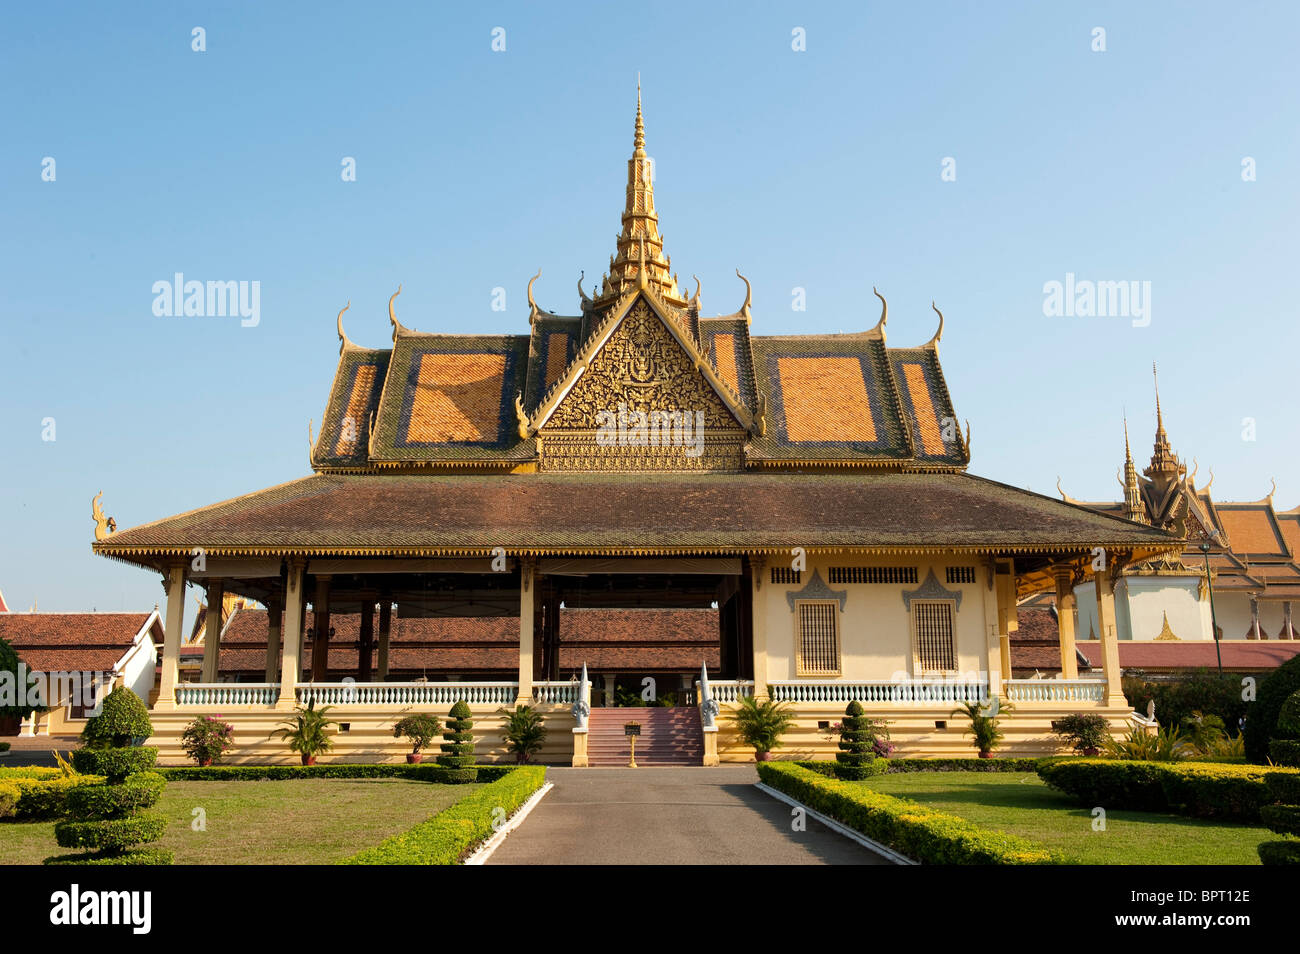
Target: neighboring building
{"x": 636, "y": 455}
{"x": 1251, "y": 550}
{"x": 4, "y": 607}
{"x": 121, "y": 649}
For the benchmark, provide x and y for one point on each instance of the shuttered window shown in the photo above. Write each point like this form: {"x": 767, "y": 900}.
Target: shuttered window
{"x": 933, "y": 636}
{"x": 819, "y": 638}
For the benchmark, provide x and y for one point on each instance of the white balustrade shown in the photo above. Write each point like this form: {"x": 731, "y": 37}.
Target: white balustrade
{"x": 919, "y": 692}
{"x": 555, "y": 692}
{"x": 406, "y": 693}
{"x": 227, "y": 694}
{"x": 730, "y": 690}
{"x": 1054, "y": 690}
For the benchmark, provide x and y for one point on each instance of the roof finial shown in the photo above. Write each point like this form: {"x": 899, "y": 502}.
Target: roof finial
{"x": 343, "y": 338}
{"x": 392, "y": 315}
{"x": 884, "y": 311}
{"x": 533, "y": 310}
{"x": 934, "y": 342}
{"x": 1160, "y": 421}
{"x": 749, "y": 297}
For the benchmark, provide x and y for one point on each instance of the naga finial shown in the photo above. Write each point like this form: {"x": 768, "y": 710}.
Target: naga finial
{"x": 533, "y": 310}
{"x": 581, "y": 294}
{"x": 1064, "y": 496}
{"x": 1206, "y": 488}
{"x": 760, "y": 415}
{"x": 1191, "y": 478}
{"x": 343, "y": 338}
{"x": 695, "y": 299}
{"x": 934, "y": 342}
{"x": 884, "y": 311}
{"x": 749, "y": 297}
{"x": 105, "y": 527}
{"x": 392, "y": 315}
{"x": 1271, "y": 490}
{"x": 521, "y": 416}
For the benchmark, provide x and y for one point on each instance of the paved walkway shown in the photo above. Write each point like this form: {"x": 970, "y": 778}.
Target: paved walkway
{"x": 669, "y": 816}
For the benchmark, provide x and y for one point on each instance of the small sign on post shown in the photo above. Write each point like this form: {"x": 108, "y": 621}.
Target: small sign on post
{"x": 632, "y": 730}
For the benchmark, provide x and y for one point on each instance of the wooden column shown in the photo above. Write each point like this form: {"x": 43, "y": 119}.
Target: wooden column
{"x": 212, "y": 631}
{"x": 174, "y": 584}
{"x": 295, "y": 612}
{"x": 527, "y": 614}
{"x": 1105, "y": 590}
{"x": 320, "y": 646}
{"x": 385, "y": 625}
{"x": 1065, "y": 621}
{"x": 367, "y": 638}
{"x": 274, "y": 614}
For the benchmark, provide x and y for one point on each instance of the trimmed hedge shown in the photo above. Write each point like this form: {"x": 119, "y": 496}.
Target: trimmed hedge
{"x": 258, "y": 773}
{"x": 1279, "y": 852}
{"x": 892, "y": 766}
{"x": 137, "y": 792}
{"x": 1199, "y": 789}
{"x": 9, "y": 795}
{"x": 111, "y": 834}
{"x": 139, "y": 856}
{"x": 923, "y": 834}
{"x": 4, "y": 746}
{"x": 30, "y": 771}
{"x": 115, "y": 764}
{"x": 447, "y": 837}
{"x": 1285, "y": 752}
{"x": 46, "y": 796}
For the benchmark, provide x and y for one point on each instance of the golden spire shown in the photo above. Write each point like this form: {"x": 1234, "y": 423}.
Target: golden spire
{"x": 1165, "y": 467}
{"x": 1133, "y": 508}
{"x": 640, "y": 233}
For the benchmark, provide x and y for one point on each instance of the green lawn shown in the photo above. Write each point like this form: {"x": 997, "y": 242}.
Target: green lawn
{"x": 299, "y": 822}
{"x": 1022, "y": 804}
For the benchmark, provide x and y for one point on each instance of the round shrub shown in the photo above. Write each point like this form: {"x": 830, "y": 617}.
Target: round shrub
{"x": 1262, "y": 715}
{"x": 9, "y": 794}
{"x": 123, "y": 717}
{"x": 110, "y": 834}
{"x": 1288, "y": 719}
{"x": 1285, "y": 752}
{"x": 1283, "y": 819}
{"x": 1284, "y": 787}
{"x": 136, "y": 793}
{"x": 114, "y": 764}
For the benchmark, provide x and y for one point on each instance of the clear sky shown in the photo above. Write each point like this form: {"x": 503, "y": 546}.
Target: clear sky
{"x": 819, "y": 169}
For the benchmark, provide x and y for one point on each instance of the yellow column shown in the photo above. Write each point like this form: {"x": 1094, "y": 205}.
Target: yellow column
{"x": 527, "y": 580}
{"x": 274, "y": 612}
{"x": 385, "y": 624}
{"x": 1065, "y": 621}
{"x": 1109, "y": 642}
{"x": 295, "y": 606}
{"x": 758, "y": 624}
{"x": 212, "y": 631}
{"x": 174, "y": 583}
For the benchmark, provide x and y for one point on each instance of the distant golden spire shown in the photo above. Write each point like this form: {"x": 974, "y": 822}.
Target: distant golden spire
{"x": 1133, "y": 508}
{"x": 1165, "y": 467}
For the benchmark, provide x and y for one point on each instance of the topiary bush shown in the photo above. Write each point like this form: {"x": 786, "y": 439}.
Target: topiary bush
{"x": 458, "y": 745}
{"x": 1284, "y": 817}
{"x": 110, "y": 819}
{"x": 1284, "y": 748}
{"x": 9, "y": 795}
{"x": 1262, "y": 714}
{"x": 122, "y": 719}
{"x": 1086, "y": 732}
{"x": 857, "y": 759}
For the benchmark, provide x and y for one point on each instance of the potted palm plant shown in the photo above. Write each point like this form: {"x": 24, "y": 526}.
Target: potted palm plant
{"x": 983, "y": 726}
{"x": 761, "y": 723}
{"x": 524, "y": 732}
{"x": 308, "y": 732}
{"x": 421, "y": 729}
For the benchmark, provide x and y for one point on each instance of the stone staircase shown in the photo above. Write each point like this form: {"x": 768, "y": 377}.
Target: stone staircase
{"x": 669, "y": 736}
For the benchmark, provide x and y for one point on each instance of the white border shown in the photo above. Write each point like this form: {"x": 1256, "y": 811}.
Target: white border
{"x": 838, "y": 827}
{"x": 484, "y": 851}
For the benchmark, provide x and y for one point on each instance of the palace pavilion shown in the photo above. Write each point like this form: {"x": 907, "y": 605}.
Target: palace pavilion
{"x": 810, "y": 492}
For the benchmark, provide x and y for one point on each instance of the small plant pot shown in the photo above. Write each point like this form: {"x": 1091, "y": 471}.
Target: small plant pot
{"x": 413, "y": 758}
{"x": 204, "y": 763}
{"x": 1090, "y": 753}
{"x": 762, "y": 756}
{"x": 986, "y": 755}
{"x": 309, "y": 760}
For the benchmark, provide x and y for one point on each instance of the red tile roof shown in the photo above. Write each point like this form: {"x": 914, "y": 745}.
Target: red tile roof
{"x": 1238, "y": 655}
{"x": 71, "y": 642}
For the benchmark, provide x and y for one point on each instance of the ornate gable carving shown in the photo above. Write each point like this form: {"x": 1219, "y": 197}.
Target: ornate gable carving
{"x": 642, "y": 404}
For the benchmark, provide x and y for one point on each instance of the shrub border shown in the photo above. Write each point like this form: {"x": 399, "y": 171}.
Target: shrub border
{"x": 917, "y": 832}
{"x": 448, "y": 837}
{"x": 424, "y": 772}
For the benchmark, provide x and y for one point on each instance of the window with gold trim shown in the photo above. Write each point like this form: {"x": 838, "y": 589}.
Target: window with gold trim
{"x": 934, "y": 646}
{"x": 817, "y": 651}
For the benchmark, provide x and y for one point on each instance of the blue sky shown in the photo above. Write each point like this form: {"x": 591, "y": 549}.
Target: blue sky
{"x": 818, "y": 169}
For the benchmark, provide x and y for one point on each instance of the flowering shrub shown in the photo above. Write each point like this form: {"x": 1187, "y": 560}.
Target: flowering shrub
{"x": 207, "y": 738}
